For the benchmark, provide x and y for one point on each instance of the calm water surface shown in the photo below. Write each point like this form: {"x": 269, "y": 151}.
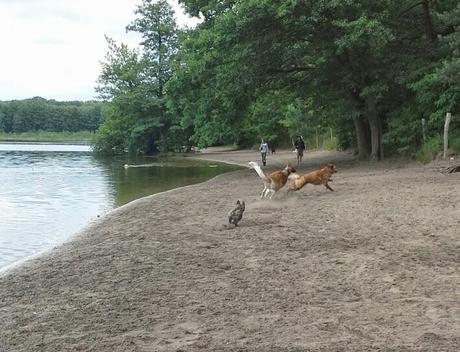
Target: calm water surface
{"x": 49, "y": 192}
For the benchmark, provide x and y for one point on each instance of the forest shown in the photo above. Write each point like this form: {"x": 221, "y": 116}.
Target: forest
{"x": 376, "y": 77}
{"x": 366, "y": 72}
{"x": 39, "y": 114}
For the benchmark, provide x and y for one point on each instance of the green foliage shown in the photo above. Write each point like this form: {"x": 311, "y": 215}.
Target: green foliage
{"x": 429, "y": 150}
{"x": 454, "y": 139}
{"x": 455, "y": 145}
{"x": 38, "y": 114}
{"x": 298, "y": 118}
{"x": 330, "y": 143}
{"x": 404, "y": 132}
{"x": 137, "y": 119}
{"x": 112, "y": 135}
{"x": 45, "y": 136}
{"x": 155, "y": 22}
{"x": 268, "y": 118}
{"x": 276, "y": 69}
{"x": 436, "y": 85}
{"x": 235, "y": 65}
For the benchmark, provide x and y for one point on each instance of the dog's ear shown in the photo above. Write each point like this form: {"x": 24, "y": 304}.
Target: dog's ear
{"x": 243, "y": 205}
{"x": 238, "y": 202}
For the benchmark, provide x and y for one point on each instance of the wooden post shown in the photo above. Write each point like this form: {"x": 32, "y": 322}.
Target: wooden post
{"x": 423, "y": 131}
{"x": 446, "y": 133}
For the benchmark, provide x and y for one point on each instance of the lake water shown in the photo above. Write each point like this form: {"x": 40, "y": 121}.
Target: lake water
{"x": 49, "y": 192}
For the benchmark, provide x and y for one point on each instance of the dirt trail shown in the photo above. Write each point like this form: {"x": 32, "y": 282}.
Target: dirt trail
{"x": 371, "y": 266}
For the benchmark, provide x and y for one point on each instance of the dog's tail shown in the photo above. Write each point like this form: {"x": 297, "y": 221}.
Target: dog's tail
{"x": 259, "y": 170}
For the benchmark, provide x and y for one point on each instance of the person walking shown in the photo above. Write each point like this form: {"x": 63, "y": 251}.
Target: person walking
{"x": 263, "y": 152}
{"x": 299, "y": 145}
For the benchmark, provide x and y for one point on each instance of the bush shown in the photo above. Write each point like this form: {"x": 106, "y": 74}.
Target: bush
{"x": 330, "y": 143}
{"x": 454, "y": 142}
{"x": 455, "y": 145}
{"x": 429, "y": 150}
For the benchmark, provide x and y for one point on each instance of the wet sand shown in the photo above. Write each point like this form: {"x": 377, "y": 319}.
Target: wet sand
{"x": 371, "y": 266}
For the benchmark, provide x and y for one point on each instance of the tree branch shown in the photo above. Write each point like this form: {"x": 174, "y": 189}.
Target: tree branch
{"x": 292, "y": 69}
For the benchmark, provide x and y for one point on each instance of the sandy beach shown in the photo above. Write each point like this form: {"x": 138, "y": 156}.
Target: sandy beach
{"x": 372, "y": 266}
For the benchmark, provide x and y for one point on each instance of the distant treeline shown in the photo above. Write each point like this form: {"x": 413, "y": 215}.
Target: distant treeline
{"x": 39, "y": 114}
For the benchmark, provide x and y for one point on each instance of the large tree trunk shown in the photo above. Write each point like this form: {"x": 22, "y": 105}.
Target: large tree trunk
{"x": 430, "y": 35}
{"x": 381, "y": 154}
{"x": 361, "y": 126}
{"x": 375, "y": 127}
{"x": 362, "y": 140}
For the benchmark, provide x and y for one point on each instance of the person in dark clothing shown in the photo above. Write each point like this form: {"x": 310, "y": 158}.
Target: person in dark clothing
{"x": 299, "y": 145}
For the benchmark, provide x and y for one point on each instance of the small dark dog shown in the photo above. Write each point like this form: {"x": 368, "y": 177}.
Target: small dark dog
{"x": 236, "y": 214}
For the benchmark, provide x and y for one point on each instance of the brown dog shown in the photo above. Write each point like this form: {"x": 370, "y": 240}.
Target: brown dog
{"x": 274, "y": 181}
{"x": 317, "y": 177}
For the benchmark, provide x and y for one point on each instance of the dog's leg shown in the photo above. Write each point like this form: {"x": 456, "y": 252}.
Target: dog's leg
{"x": 268, "y": 193}
{"x": 327, "y": 186}
{"x": 263, "y": 193}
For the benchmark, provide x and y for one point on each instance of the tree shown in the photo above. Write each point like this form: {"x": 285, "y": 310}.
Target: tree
{"x": 257, "y": 68}
{"x": 357, "y": 62}
{"x": 156, "y": 24}
{"x": 123, "y": 82}
{"x": 49, "y": 115}
{"x": 134, "y": 83}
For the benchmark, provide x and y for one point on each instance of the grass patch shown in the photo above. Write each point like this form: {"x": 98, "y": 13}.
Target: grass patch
{"x": 81, "y": 137}
{"x": 331, "y": 143}
{"x": 429, "y": 150}
{"x": 454, "y": 141}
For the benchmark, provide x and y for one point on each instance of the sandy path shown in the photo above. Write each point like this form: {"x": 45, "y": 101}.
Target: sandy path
{"x": 371, "y": 266}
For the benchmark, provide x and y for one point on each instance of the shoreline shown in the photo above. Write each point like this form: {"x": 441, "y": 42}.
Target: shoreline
{"x": 368, "y": 266}
{"x": 10, "y": 141}
{"x": 5, "y": 269}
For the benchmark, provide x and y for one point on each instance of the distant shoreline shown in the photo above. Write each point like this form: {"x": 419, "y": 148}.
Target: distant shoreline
{"x": 44, "y": 142}
{"x": 40, "y": 137}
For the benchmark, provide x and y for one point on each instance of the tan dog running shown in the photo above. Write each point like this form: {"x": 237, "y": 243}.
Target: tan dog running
{"x": 317, "y": 177}
{"x": 274, "y": 181}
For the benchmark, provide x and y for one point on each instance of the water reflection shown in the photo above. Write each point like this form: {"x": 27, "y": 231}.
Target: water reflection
{"x": 46, "y": 195}
{"x": 144, "y": 176}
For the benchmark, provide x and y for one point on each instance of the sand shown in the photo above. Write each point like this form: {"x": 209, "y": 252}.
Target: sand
{"x": 372, "y": 266}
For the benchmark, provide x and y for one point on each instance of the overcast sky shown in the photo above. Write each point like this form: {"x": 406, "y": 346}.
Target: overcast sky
{"x": 53, "y": 48}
